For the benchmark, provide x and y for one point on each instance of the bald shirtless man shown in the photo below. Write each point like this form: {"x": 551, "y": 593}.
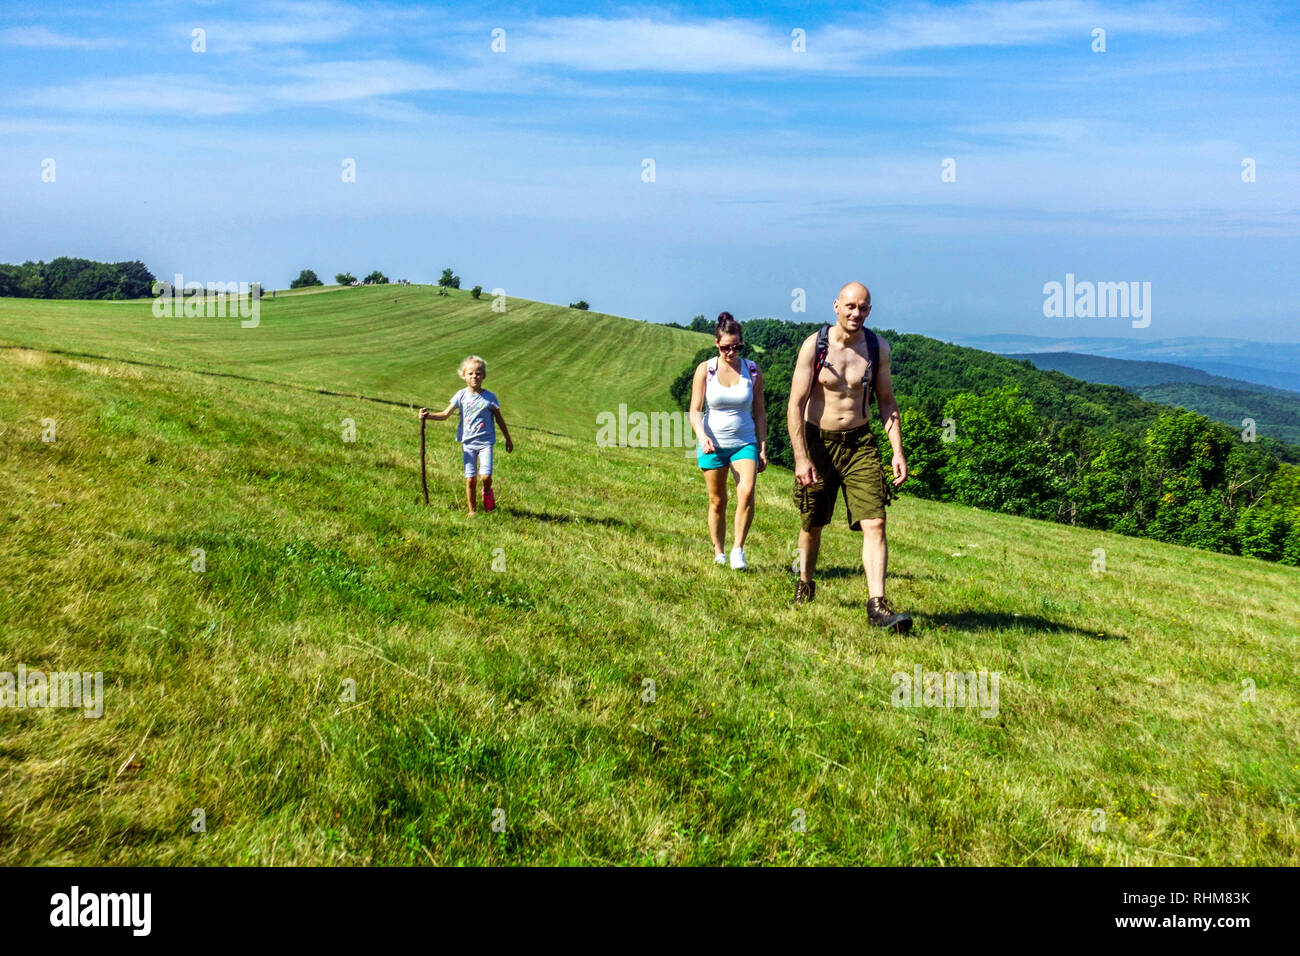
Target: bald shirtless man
{"x": 829, "y": 418}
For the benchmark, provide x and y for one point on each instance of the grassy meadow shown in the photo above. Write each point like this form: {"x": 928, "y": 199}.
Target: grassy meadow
{"x": 402, "y": 343}
{"x": 355, "y": 678}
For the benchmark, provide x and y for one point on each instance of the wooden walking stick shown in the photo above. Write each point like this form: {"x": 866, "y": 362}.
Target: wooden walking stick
{"x": 424, "y": 481}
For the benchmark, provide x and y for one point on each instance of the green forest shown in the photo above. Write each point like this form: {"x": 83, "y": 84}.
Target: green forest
{"x": 996, "y": 433}
{"x": 67, "y": 278}
{"x": 1275, "y": 411}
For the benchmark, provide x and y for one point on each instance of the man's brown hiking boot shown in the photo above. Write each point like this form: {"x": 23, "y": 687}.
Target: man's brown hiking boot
{"x": 804, "y": 591}
{"x": 882, "y": 614}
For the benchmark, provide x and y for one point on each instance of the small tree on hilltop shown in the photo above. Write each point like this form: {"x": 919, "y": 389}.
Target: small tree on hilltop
{"x": 345, "y": 278}
{"x": 377, "y": 278}
{"x": 305, "y": 278}
{"x": 449, "y": 280}
{"x": 580, "y": 304}
{"x": 476, "y": 292}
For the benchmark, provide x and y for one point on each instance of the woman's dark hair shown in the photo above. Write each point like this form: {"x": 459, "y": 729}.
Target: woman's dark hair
{"x": 727, "y": 325}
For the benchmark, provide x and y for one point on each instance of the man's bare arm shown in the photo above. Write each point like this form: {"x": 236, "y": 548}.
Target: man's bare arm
{"x": 800, "y": 391}
{"x": 888, "y": 405}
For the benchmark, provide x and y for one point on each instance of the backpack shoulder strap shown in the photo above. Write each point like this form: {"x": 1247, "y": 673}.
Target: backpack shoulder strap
{"x": 873, "y": 356}
{"x": 823, "y": 346}
{"x": 753, "y": 368}
{"x": 711, "y": 368}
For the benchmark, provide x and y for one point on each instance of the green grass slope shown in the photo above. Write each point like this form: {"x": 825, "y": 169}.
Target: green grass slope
{"x": 500, "y": 663}
{"x": 552, "y": 367}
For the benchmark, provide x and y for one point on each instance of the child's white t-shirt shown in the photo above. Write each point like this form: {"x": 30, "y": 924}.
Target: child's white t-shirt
{"x": 476, "y": 428}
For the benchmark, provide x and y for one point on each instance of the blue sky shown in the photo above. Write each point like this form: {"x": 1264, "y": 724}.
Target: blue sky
{"x": 774, "y": 169}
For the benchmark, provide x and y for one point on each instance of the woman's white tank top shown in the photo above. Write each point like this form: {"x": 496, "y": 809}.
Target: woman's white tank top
{"x": 729, "y": 420}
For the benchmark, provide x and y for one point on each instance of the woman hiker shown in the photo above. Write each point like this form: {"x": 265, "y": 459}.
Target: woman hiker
{"x": 732, "y": 434}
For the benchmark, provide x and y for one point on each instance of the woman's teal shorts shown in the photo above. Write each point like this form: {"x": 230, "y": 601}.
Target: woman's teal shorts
{"x": 722, "y": 457}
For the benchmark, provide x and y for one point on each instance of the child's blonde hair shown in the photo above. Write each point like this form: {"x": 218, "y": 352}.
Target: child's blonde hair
{"x": 469, "y": 360}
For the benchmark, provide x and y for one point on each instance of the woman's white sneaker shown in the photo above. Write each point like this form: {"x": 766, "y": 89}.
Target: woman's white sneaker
{"x": 738, "y": 559}
{"x": 720, "y": 558}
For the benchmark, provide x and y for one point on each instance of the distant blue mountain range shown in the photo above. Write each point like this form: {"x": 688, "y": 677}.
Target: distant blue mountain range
{"x": 1275, "y": 364}
{"x": 1261, "y": 390}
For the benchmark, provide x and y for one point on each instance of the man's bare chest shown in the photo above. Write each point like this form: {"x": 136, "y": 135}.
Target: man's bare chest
{"x": 843, "y": 371}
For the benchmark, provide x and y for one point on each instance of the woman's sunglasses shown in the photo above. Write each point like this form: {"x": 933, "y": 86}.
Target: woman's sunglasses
{"x": 731, "y": 348}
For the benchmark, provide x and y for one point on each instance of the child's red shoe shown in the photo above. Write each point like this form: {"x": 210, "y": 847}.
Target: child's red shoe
{"x": 489, "y": 501}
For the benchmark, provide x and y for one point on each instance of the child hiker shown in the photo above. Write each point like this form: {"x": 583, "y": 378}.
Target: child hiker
{"x": 478, "y": 409}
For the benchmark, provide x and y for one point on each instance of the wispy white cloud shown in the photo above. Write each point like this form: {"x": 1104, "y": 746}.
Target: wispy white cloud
{"x": 664, "y": 45}
{"x": 661, "y": 45}
{"x": 45, "y": 39}
{"x": 1001, "y": 23}
{"x": 1064, "y": 132}
{"x": 668, "y": 44}
{"x": 559, "y": 55}
{"x": 307, "y": 23}
{"x": 153, "y": 93}
{"x": 337, "y": 81}
{"x": 342, "y": 80}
